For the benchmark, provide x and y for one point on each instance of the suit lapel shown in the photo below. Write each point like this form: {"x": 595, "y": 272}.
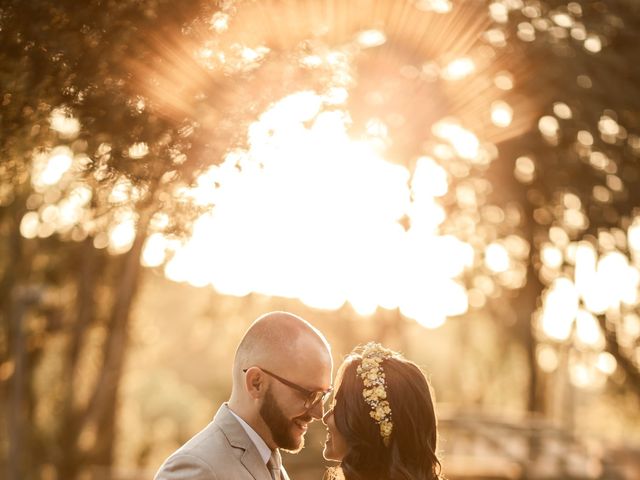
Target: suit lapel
{"x": 252, "y": 461}
{"x": 238, "y": 438}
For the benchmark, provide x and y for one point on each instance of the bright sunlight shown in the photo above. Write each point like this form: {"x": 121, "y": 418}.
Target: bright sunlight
{"x": 309, "y": 212}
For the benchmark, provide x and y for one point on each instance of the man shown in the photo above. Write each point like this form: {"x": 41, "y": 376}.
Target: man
{"x": 281, "y": 377}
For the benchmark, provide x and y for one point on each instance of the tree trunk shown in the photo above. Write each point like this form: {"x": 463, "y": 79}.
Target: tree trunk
{"x": 20, "y": 398}
{"x": 527, "y": 305}
{"x": 16, "y": 421}
{"x": 625, "y": 363}
{"x": 100, "y": 416}
{"x": 70, "y": 455}
{"x": 12, "y": 313}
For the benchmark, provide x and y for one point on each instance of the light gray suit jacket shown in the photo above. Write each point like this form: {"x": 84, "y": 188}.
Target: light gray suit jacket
{"x": 222, "y": 451}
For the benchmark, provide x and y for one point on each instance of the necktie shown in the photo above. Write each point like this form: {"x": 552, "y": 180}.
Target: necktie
{"x": 274, "y": 464}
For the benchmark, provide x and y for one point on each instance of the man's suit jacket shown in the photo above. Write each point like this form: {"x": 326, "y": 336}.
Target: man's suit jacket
{"x": 222, "y": 451}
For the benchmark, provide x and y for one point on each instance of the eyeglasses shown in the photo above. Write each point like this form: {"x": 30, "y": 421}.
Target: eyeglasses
{"x": 312, "y": 398}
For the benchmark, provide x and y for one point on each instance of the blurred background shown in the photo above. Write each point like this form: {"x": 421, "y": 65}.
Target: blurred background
{"x": 459, "y": 180}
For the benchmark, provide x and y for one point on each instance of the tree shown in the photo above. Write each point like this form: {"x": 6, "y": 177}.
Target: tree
{"x": 585, "y": 148}
{"x": 75, "y": 121}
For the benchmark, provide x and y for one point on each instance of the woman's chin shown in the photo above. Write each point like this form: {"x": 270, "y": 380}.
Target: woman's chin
{"x": 328, "y": 452}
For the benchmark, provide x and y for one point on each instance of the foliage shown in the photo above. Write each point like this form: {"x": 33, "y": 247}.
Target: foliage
{"x": 71, "y": 87}
{"x": 585, "y": 148}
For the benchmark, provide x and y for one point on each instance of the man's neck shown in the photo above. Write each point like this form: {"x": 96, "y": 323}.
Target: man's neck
{"x": 254, "y": 420}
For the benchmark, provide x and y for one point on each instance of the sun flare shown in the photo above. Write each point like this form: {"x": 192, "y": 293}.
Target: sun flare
{"x": 309, "y": 212}
{"x": 337, "y": 194}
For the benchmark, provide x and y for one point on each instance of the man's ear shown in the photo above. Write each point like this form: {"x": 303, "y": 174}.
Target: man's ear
{"x": 255, "y": 382}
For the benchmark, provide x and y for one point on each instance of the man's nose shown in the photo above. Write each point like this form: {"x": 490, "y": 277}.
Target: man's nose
{"x": 325, "y": 416}
{"x": 317, "y": 411}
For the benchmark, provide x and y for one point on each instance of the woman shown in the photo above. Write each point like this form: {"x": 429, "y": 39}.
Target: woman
{"x": 382, "y": 425}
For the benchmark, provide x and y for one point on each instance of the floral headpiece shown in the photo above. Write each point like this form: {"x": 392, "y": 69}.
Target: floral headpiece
{"x": 374, "y": 392}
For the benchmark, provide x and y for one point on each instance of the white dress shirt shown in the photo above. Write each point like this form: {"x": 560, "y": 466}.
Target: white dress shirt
{"x": 263, "y": 448}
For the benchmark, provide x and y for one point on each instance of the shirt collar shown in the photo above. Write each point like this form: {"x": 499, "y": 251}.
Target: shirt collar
{"x": 263, "y": 448}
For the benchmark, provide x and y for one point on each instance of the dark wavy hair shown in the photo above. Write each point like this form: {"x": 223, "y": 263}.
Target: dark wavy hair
{"x": 411, "y": 453}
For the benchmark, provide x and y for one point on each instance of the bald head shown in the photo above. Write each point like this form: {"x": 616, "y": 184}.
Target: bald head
{"x": 281, "y": 376}
{"x": 278, "y": 339}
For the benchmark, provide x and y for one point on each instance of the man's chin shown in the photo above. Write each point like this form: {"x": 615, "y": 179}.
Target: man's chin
{"x": 296, "y": 442}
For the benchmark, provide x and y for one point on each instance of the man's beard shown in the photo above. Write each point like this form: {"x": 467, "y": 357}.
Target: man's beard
{"x": 280, "y": 426}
